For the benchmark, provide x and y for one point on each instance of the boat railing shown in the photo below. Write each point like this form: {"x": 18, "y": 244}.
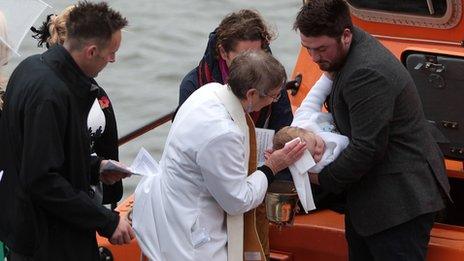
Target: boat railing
{"x": 146, "y": 128}
{"x": 293, "y": 86}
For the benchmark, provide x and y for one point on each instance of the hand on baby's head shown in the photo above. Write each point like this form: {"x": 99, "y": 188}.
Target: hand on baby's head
{"x": 315, "y": 144}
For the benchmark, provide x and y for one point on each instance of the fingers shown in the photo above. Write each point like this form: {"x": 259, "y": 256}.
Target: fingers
{"x": 128, "y": 234}
{"x": 123, "y": 233}
{"x": 122, "y": 238}
{"x": 103, "y": 163}
{"x": 290, "y": 145}
{"x": 132, "y": 233}
{"x": 109, "y": 178}
{"x": 117, "y": 176}
{"x": 120, "y": 164}
{"x": 116, "y": 240}
{"x": 267, "y": 155}
{"x": 297, "y": 151}
{"x": 126, "y": 237}
{"x": 281, "y": 159}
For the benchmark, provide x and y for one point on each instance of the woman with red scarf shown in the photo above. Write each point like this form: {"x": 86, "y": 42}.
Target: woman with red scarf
{"x": 237, "y": 32}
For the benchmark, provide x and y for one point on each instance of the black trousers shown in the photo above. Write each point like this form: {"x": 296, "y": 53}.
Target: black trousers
{"x": 407, "y": 241}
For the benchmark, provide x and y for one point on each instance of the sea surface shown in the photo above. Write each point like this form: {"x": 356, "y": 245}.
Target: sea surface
{"x": 165, "y": 40}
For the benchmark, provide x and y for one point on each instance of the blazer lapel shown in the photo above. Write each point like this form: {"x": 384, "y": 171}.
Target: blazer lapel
{"x": 334, "y": 98}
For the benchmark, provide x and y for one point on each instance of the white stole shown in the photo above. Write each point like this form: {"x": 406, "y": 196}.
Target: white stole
{"x": 235, "y": 224}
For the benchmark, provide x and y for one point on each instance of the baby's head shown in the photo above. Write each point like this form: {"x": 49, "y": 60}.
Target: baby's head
{"x": 314, "y": 143}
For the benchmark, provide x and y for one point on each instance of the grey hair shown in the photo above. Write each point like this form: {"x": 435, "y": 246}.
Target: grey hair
{"x": 255, "y": 70}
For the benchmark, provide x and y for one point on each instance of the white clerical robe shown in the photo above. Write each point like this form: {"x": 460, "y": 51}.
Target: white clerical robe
{"x": 181, "y": 213}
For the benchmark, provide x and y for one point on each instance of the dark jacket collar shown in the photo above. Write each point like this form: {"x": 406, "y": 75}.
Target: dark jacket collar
{"x": 358, "y": 37}
{"x": 62, "y": 63}
{"x": 210, "y": 57}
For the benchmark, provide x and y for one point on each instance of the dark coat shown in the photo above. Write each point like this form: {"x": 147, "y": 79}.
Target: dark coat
{"x": 392, "y": 170}
{"x": 47, "y": 210}
{"x": 106, "y": 147}
{"x": 281, "y": 111}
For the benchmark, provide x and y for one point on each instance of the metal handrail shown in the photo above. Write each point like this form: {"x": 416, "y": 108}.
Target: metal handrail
{"x": 293, "y": 86}
{"x": 146, "y": 128}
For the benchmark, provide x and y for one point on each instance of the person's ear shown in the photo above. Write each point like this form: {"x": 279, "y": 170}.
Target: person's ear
{"x": 223, "y": 53}
{"x": 347, "y": 36}
{"x": 91, "y": 51}
{"x": 250, "y": 93}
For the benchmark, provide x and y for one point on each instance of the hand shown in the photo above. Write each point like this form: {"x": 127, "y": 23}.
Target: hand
{"x": 281, "y": 159}
{"x": 123, "y": 233}
{"x": 267, "y": 153}
{"x": 111, "y": 177}
{"x": 313, "y": 178}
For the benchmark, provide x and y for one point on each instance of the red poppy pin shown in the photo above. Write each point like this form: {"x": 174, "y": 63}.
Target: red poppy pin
{"x": 104, "y": 102}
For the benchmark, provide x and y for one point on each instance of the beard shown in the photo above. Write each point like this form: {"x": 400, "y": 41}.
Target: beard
{"x": 337, "y": 63}
{"x": 331, "y": 66}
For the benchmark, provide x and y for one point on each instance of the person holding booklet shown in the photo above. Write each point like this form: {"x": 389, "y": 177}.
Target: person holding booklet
{"x": 49, "y": 211}
{"x": 101, "y": 120}
{"x": 193, "y": 209}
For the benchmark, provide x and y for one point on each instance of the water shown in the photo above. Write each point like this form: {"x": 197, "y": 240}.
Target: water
{"x": 164, "y": 41}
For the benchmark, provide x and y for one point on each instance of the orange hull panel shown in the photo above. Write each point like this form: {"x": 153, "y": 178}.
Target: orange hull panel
{"x": 319, "y": 236}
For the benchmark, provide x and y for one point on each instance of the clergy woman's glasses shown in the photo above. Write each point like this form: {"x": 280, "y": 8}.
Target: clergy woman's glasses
{"x": 275, "y": 98}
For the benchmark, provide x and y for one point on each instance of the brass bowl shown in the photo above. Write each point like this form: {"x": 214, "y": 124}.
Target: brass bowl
{"x": 281, "y": 202}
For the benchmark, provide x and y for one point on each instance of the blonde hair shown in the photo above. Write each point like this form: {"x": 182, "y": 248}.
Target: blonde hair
{"x": 4, "y": 56}
{"x": 289, "y": 133}
{"x": 57, "y": 27}
{"x": 4, "y": 49}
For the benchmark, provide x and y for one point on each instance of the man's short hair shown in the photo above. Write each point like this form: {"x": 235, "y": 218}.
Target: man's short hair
{"x": 255, "y": 70}
{"x": 93, "y": 22}
{"x": 323, "y": 17}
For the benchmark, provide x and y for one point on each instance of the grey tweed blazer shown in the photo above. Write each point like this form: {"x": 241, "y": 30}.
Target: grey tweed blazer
{"x": 392, "y": 169}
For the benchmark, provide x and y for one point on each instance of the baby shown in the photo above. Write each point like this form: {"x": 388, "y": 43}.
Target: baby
{"x": 315, "y": 127}
{"x": 314, "y": 143}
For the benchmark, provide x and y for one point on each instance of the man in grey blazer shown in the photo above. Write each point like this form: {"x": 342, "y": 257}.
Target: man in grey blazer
{"x": 392, "y": 170}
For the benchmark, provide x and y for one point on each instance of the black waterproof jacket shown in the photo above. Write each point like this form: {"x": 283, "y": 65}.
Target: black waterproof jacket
{"x": 106, "y": 147}
{"x": 45, "y": 195}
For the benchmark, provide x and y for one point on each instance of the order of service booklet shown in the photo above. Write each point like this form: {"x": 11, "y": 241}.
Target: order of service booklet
{"x": 143, "y": 165}
{"x": 264, "y": 139}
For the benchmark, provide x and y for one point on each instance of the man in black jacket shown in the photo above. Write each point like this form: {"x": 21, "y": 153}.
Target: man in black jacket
{"x": 46, "y": 200}
{"x": 392, "y": 171}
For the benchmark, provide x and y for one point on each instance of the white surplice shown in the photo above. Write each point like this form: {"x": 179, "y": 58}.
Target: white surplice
{"x": 182, "y": 213}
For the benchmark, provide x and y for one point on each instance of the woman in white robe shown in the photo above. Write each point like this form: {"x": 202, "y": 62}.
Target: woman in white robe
{"x": 193, "y": 208}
